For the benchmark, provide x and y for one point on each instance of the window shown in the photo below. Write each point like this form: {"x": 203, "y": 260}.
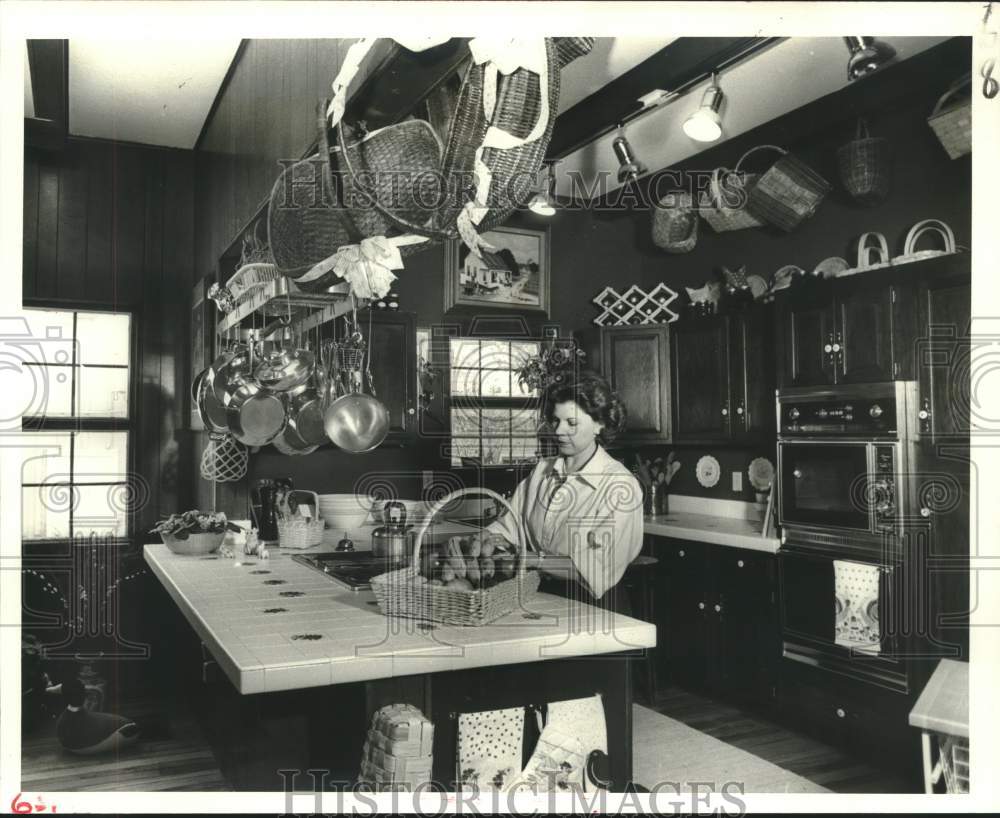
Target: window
{"x": 77, "y": 364}
{"x": 494, "y": 420}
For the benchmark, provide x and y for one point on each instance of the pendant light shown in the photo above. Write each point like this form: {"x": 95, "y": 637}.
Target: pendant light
{"x": 867, "y": 56}
{"x": 629, "y": 168}
{"x": 544, "y": 202}
{"x": 705, "y": 124}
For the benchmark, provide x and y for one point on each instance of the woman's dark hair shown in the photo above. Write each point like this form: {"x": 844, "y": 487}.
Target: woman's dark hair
{"x": 592, "y": 394}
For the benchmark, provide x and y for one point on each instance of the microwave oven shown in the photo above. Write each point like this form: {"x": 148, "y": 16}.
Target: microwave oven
{"x": 844, "y": 455}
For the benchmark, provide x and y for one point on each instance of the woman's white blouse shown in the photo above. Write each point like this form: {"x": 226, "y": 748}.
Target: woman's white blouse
{"x": 593, "y": 516}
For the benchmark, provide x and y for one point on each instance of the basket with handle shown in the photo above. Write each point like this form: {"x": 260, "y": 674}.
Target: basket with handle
{"x": 301, "y": 532}
{"x": 953, "y": 124}
{"x": 870, "y": 256}
{"x": 405, "y": 593}
{"x": 724, "y": 205}
{"x": 923, "y": 228}
{"x": 865, "y": 166}
{"x": 787, "y": 193}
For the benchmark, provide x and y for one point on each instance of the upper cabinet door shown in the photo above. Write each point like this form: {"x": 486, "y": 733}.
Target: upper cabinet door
{"x": 636, "y": 361}
{"x": 807, "y": 341}
{"x": 863, "y": 336}
{"x": 752, "y": 372}
{"x": 942, "y": 359}
{"x": 700, "y": 355}
{"x": 393, "y": 346}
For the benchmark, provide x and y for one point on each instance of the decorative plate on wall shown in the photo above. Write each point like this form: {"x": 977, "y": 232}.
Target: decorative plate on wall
{"x": 708, "y": 471}
{"x": 761, "y": 473}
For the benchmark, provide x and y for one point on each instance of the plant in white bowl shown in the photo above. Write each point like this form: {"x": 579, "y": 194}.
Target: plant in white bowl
{"x": 194, "y": 532}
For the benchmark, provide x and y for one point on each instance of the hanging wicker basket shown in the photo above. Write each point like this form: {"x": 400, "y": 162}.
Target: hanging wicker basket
{"x": 724, "y": 204}
{"x": 224, "y": 459}
{"x": 865, "y": 165}
{"x": 407, "y": 594}
{"x": 675, "y": 223}
{"x": 787, "y": 193}
{"x": 951, "y": 119}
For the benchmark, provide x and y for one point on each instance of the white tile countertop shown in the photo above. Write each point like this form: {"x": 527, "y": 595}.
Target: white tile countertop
{"x": 719, "y": 522}
{"x": 276, "y": 624}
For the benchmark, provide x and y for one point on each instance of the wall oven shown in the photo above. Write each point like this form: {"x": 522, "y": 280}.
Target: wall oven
{"x": 843, "y": 458}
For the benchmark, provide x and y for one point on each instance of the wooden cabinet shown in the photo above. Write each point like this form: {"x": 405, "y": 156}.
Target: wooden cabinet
{"x": 636, "y": 362}
{"x": 718, "y": 626}
{"x": 722, "y": 385}
{"x": 943, "y": 353}
{"x": 840, "y": 332}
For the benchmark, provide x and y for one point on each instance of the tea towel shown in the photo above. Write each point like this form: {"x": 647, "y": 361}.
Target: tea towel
{"x": 856, "y": 590}
{"x": 490, "y": 744}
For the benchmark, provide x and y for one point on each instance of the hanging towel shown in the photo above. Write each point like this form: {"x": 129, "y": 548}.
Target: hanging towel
{"x": 856, "y": 589}
{"x": 490, "y": 744}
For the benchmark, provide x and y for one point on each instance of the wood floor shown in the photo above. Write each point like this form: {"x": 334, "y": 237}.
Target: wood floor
{"x": 796, "y": 752}
{"x": 172, "y": 755}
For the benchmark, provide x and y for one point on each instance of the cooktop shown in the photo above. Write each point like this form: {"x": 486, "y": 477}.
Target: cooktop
{"x": 350, "y": 569}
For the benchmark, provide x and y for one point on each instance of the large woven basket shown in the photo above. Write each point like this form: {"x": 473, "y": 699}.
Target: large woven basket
{"x": 724, "y": 205}
{"x": 301, "y": 532}
{"x": 865, "y": 165}
{"x": 787, "y": 193}
{"x": 951, "y": 119}
{"x": 403, "y": 593}
{"x": 923, "y": 228}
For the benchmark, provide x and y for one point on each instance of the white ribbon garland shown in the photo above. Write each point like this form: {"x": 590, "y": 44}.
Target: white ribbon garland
{"x": 367, "y": 266}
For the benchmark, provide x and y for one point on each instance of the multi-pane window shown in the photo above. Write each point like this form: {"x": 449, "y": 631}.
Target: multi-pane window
{"x": 494, "y": 420}
{"x": 77, "y": 365}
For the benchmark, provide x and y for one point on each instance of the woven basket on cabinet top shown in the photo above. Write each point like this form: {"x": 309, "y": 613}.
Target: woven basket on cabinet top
{"x": 920, "y": 229}
{"x": 405, "y": 593}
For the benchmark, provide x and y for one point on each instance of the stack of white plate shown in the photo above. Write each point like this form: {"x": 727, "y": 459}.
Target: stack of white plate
{"x": 345, "y": 511}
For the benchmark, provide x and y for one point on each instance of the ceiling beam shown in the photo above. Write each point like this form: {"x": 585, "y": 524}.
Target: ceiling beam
{"x": 684, "y": 61}
{"x": 48, "y": 62}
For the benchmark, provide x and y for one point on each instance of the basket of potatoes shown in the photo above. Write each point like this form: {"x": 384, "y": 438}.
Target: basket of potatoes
{"x": 470, "y": 580}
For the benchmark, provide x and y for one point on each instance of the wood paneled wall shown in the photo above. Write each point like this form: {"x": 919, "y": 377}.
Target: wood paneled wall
{"x": 265, "y": 113}
{"x": 111, "y": 226}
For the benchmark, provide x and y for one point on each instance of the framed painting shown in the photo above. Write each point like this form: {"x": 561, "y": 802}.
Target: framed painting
{"x": 514, "y": 276}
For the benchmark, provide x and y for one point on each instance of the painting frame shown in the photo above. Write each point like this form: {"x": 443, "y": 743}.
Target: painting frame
{"x": 471, "y": 287}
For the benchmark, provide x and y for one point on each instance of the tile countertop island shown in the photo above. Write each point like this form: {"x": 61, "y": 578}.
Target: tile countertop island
{"x": 277, "y": 625}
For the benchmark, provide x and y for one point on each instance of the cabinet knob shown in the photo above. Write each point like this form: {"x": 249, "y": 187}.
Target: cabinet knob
{"x": 923, "y": 414}
{"x": 411, "y": 411}
{"x": 739, "y": 563}
{"x": 841, "y": 713}
{"x": 828, "y": 348}
{"x": 925, "y": 512}
{"x": 739, "y": 410}
{"x": 797, "y": 474}
{"x": 680, "y": 553}
{"x": 725, "y": 411}
{"x": 836, "y": 348}
{"x": 718, "y": 608}
{"x": 701, "y": 606}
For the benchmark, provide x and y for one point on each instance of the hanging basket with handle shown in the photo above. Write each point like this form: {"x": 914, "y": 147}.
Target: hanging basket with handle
{"x": 918, "y": 231}
{"x": 951, "y": 119}
{"x": 786, "y": 193}
{"x": 865, "y": 165}
{"x": 675, "y": 223}
{"x": 405, "y": 593}
{"x": 724, "y": 204}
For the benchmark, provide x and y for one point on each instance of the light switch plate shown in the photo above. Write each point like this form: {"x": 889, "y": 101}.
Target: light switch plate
{"x": 737, "y": 481}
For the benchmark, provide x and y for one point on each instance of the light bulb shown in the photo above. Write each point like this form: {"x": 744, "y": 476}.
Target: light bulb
{"x": 705, "y": 124}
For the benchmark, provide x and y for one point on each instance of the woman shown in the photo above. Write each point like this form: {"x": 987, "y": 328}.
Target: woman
{"x": 582, "y": 509}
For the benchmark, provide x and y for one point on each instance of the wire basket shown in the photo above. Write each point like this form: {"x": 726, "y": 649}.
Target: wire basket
{"x": 224, "y": 459}
{"x": 405, "y": 593}
{"x": 865, "y": 165}
{"x": 954, "y": 761}
{"x": 301, "y": 532}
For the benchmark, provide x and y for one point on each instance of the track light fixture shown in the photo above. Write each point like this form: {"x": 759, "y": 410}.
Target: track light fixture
{"x": 705, "y": 124}
{"x": 629, "y": 168}
{"x": 544, "y": 203}
{"x": 867, "y": 56}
